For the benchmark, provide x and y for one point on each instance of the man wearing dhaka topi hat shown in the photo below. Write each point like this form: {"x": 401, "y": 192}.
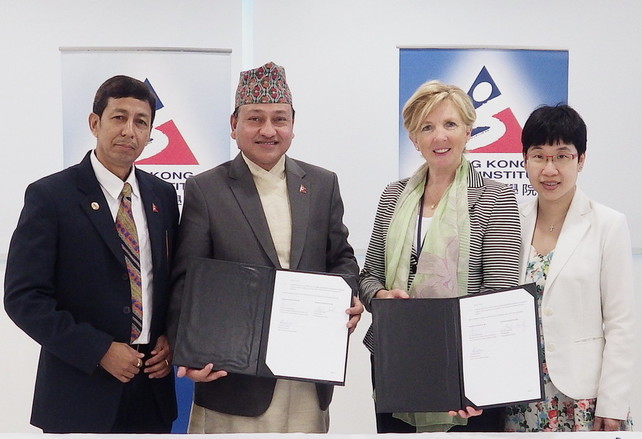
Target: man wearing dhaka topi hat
{"x": 262, "y": 208}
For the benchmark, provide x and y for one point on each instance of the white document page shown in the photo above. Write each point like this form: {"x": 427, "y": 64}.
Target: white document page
{"x": 308, "y": 335}
{"x": 500, "y": 348}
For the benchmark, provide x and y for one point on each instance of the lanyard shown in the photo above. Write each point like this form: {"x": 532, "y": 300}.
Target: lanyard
{"x": 420, "y": 241}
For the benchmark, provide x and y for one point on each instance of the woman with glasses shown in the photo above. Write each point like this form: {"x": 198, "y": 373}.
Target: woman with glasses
{"x": 578, "y": 253}
{"x": 443, "y": 232}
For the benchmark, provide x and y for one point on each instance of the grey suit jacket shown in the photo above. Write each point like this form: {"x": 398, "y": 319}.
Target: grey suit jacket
{"x": 223, "y": 219}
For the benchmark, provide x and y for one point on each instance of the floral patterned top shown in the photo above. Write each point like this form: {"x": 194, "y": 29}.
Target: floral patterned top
{"x": 557, "y": 412}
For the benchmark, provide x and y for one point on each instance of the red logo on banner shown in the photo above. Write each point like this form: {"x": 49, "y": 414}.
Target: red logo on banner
{"x": 511, "y": 140}
{"x": 175, "y": 153}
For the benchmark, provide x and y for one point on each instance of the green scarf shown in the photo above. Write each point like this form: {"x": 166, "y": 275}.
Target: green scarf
{"x": 442, "y": 269}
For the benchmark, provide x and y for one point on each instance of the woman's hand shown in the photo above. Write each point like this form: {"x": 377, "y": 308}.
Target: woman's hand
{"x": 391, "y": 294}
{"x": 468, "y": 413}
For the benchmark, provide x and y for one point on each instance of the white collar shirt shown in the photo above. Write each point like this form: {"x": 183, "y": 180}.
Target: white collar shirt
{"x": 112, "y": 186}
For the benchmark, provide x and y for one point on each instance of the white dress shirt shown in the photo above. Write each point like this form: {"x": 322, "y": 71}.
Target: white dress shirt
{"x": 112, "y": 186}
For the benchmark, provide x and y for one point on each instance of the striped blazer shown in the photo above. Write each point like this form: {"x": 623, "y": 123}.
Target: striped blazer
{"x": 494, "y": 239}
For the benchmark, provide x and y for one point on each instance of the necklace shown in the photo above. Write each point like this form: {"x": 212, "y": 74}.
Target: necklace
{"x": 433, "y": 205}
{"x": 550, "y": 223}
{"x": 554, "y": 226}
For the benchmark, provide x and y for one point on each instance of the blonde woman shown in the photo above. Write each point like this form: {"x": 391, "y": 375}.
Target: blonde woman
{"x": 443, "y": 232}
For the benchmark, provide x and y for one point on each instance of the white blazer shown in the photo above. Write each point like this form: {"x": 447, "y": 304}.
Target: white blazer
{"x": 587, "y": 306}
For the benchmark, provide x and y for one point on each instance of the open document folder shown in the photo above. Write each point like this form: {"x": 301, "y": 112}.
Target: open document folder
{"x": 435, "y": 355}
{"x": 262, "y": 321}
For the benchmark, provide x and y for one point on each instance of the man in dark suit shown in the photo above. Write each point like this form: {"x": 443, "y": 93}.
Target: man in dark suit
{"x": 87, "y": 278}
{"x": 262, "y": 208}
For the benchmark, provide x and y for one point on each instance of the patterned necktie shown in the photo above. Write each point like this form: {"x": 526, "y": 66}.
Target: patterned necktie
{"x": 129, "y": 242}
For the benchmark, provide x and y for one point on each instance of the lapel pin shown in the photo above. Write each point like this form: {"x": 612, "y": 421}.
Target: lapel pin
{"x": 95, "y": 205}
{"x": 303, "y": 189}
{"x": 154, "y": 208}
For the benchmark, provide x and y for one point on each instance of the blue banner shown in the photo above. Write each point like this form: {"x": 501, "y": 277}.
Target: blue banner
{"x": 505, "y": 85}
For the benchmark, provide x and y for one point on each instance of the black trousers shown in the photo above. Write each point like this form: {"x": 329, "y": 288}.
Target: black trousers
{"x": 138, "y": 411}
{"x": 491, "y": 420}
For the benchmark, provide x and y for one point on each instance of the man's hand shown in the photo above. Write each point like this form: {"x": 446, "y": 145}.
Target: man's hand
{"x": 607, "y": 424}
{"x": 392, "y": 294}
{"x": 159, "y": 364}
{"x": 354, "y": 312}
{"x": 468, "y": 413}
{"x": 204, "y": 375}
{"x": 122, "y": 361}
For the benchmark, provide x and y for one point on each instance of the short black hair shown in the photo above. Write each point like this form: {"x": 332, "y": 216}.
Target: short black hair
{"x": 548, "y": 125}
{"x": 122, "y": 86}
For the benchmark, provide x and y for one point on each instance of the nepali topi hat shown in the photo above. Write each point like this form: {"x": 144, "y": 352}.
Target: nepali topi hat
{"x": 263, "y": 85}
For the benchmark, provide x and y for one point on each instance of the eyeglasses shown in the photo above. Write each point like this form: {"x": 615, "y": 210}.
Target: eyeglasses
{"x": 561, "y": 159}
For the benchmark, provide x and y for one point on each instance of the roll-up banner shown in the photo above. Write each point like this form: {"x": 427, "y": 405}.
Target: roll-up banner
{"x": 505, "y": 86}
{"x": 191, "y": 132}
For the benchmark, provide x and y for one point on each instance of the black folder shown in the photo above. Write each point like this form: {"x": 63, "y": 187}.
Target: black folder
{"x": 225, "y": 318}
{"x": 418, "y": 355}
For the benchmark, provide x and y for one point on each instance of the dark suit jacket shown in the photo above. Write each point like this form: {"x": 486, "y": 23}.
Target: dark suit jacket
{"x": 66, "y": 286}
{"x": 223, "y": 219}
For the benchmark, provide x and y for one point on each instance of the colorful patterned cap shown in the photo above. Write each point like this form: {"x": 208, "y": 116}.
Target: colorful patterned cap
{"x": 263, "y": 85}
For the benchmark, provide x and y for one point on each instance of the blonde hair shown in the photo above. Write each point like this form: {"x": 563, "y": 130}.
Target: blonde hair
{"x": 428, "y": 96}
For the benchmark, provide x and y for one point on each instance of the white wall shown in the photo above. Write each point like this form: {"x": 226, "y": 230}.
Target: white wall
{"x": 342, "y": 64}
{"x": 31, "y": 33}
